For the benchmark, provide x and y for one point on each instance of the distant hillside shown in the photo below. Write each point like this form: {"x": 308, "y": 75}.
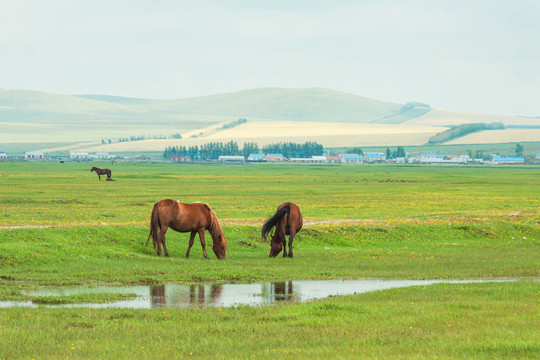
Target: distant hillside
{"x": 28, "y": 116}
{"x": 274, "y": 104}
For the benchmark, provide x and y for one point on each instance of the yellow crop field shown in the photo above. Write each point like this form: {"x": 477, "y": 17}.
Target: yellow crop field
{"x": 498, "y": 136}
{"x": 438, "y": 117}
{"x": 266, "y": 132}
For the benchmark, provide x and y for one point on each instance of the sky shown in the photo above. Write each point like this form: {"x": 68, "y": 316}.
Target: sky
{"x": 475, "y": 55}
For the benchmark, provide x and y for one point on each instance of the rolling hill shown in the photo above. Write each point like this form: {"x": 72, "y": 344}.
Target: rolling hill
{"x": 30, "y": 117}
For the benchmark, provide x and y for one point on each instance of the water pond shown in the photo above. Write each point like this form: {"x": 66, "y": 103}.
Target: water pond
{"x": 225, "y": 295}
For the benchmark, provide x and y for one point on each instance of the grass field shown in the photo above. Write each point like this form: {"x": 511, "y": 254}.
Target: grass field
{"x": 61, "y": 226}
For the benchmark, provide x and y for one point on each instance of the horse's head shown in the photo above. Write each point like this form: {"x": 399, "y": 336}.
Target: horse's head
{"x": 220, "y": 247}
{"x": 93, "y": 169}
{"x": 275, "y": 247}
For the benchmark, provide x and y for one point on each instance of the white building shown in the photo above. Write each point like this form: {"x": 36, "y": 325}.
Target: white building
{"x": 231, "y": 158}
{"x": 3, "y": 155}
{"x": 432, "y": 158}
{"x": 373, "y": 157}
{"x": 313, "y": 159}
{"x": 256, "y": 157}
{"x": 351, "y": 158}
{"x": 78, "y": 155}
{"x": 104, "y": 155}
{"x": 500, "y": 160}
{"x": 34, "y": 155}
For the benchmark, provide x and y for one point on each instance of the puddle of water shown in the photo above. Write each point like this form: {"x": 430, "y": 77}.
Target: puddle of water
{"x": 227, "y": 295}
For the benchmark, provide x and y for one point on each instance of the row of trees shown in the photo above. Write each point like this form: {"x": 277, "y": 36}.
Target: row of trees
{"x": 215, "y": 149}
{"x": 290, "y": 149}
{"x": 141, "y": 137}
{"x": 462, "y": 130}
{"x": 233, "y": 123}
{"x": 392, "y": 154}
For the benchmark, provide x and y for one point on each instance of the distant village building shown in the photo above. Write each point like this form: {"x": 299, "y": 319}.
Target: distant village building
{"x": 313, "y": 159}
{"x": 180, "y": 158}
{"x": 500, "y": 160}
{"x": 104, "y": 155}
{"x": 273, "y": 157}
{"x": 34, "y": 155}
{"x": 232, "y": 158}
{"x": 351, "y": 158}
{"x": 332, "y": 159}
{"x": 432, "y": 158}
{"x": 457, "y": 159}
{"x": 256, "y": 157}
{"x": 400, "y": 160}
{"x": 413, "y": 159}
{"x": 78, "y": 155}
{"x": 374, "y": 157}
{"x": 3, "y": 155}
{"x": 141, "y": 158}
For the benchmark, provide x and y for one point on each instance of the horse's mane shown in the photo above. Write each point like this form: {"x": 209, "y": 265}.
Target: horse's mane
{"x": 215, "y": 227}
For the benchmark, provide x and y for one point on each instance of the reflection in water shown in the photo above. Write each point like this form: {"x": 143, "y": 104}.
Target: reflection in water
{"x": 283, "y": 291}
{"x": 157, "y": 296}
{"x": 204, "y": 294}
{"x": 220, "y": 295}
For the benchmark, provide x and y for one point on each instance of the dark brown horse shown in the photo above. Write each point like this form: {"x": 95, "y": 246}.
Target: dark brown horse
{"x": 288, "y": 221}
{"x": 100, "y": 172}
{"x": 194, "y": 218}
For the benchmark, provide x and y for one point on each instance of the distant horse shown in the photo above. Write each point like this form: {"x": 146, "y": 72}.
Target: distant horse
{"x": 194, "y": 218}
{"x": 288, "y": 221}
{"x": 100, "y": 172}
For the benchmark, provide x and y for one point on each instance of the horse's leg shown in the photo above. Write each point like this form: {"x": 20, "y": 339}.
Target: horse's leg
{"x": 164, "y": 247}
{"x": 191, "y": 239}
{"x": 99, "y": 176}
{"x": 161, "y": 240}
{"x": 284, "y": 241}
{"x": 291, "y": 237}
{"x": 203, "y": 243}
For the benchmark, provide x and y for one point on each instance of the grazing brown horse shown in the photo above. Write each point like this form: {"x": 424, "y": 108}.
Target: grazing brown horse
{"x": 100, "y": 172}
{"x": 194, "y": 218}
{"x": 288, "y": 221}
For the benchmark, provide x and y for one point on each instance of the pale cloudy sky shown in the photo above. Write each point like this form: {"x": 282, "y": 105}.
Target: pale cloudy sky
{"x": 480, "y": 56}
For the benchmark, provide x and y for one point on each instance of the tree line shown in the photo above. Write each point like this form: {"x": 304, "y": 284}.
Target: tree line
{"x": 213, "y": 150}
{"x": 462, "y": 130}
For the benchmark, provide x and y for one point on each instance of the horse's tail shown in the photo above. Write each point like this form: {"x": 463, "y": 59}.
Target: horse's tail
{"x": 154, "y": 227}
{"x": 270, "y": 223}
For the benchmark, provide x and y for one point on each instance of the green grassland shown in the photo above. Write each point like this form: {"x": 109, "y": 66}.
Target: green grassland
{"x": 69, "y": 194}
{"x": 470, "y": 321}
{"x": 409, "y": 222}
